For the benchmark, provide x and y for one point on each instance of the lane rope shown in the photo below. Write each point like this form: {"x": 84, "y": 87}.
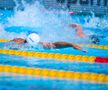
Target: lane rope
{"x": 85, "y": 45}
{"x": 4, "y": 40}
{"x": 67, "y": 75}
{"x": 56, "y": 56}
{"x": 95, "y": 46}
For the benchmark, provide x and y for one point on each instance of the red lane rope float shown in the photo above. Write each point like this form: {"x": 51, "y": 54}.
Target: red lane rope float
{"x": 56, "y": 56}
{"x": 101, "y": 60}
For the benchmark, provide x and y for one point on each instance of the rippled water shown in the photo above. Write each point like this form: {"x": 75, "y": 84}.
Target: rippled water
{"x": 51, "y": 25}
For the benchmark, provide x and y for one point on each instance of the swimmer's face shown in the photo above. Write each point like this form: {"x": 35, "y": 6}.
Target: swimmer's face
{"x": 19, "y": 40}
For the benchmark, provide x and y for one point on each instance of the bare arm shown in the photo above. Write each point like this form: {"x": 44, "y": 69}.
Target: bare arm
{"x": 65, "y": 44}
{"x": 79, "y": 29}
{"x": 18, "y": 40}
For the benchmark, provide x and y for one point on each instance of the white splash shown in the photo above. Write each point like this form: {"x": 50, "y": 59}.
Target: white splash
{"x": 54, "y": 25}
{"x": 96, "y": 22}
{"x": 51, "y": 24}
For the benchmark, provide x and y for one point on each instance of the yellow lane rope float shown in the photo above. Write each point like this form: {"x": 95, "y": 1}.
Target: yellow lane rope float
{"x": 95, "y": 46}
{"x": 56, "y": 56}
{"x": 85, "y": 45}
{"x": 65, "y": 75}
{"x": 3, "y": 40}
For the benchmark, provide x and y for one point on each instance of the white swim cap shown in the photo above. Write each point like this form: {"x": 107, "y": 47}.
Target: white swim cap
{"x": 33, "y": 39}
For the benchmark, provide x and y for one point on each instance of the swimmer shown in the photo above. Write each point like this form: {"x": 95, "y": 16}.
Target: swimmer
{"x": 94, "y": 39}
{"x": 79, "y": 30}
{"x": 48, "y": 45}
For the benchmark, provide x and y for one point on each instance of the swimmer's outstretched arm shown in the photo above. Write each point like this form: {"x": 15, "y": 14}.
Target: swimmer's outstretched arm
{"x": 66, "y": 44}
{"x": 18, "y": 40}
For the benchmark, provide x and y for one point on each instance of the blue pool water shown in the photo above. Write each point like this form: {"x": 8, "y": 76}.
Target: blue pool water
{"x": 18, "y": 24}
{"x": 20, "y": 82}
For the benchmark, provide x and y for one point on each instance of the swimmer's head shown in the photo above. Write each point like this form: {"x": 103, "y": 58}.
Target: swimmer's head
{"x": 33, "y": 39}
{"x": 94, "y": 39}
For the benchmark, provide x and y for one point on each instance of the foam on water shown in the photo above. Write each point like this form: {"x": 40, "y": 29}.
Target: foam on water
{"x": 51, "y": 24}
{"x": 96, "y": 22}
{"x": 54, "y": 25}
